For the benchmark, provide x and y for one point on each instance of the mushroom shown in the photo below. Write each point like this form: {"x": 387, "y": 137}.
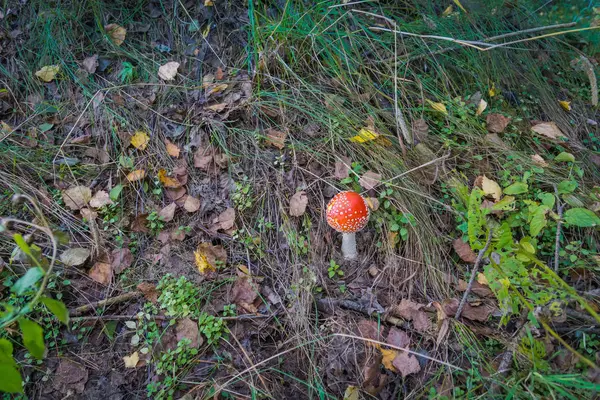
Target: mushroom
{"x": 348, "y": 213}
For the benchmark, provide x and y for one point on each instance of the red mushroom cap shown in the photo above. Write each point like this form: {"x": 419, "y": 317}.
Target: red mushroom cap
{"x": 347, "y": 212}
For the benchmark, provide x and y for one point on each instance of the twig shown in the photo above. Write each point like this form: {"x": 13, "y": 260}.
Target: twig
{"x": 474, "y": 274}
{"x": 161, "y": 317}
{"x": 505, "y": 362}
{"x": 105, "y": 303}
{"x": 560, "y": 208}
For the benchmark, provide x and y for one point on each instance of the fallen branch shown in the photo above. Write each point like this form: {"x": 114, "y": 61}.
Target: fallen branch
{"x": 327, "y": 304}
{"x": 473, "y": 274}
{"x": 162, "y": 317}
{"x": 105, "y": 303}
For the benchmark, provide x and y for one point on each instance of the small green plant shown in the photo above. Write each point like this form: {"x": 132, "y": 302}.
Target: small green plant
{"x": 178, "y": 297}
{"x": 229, "y": 310}
{"x": 212, "y": 327}
{"x": 242, "y": 195}
{"x": 170, "y": 366}
{"x": 127, "y": 73}
{"x": 156, "y": 224}
{"x": 334, "y": 270}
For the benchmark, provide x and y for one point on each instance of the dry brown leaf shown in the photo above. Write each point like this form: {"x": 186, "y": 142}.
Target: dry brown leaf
{"x": 219, "y": 74}
{"x": 298, "y": 204}
{"x": 477, "y": 288}
{"x": 168, "y": 71}
{"x": 342, "y": 168}
{"x": 244, "y": 293}
{"x": 227, "y": 219}
{"x": 177, "y": 234}
{"x": 368, "y": 329}
{"x": 398, "y": 338}
{"x": 100, "y": 199}
{"x": 548, "y": 129}
{"x": 497, "y": 123}
{"x": 172, "y": 148}
{"x": 276, "y": 138}
{"x": 480, "y": 313}
{"x": 167, "y": 181}
{"x": 149, "y": 291}
{"x": 116, "y": 33}
{"x": 77, "y": 197}
{"x": 370, "y": 180}
{"x": 481, "y": 107}
{"x": 491, "y": 188}
{"x": 191, "y": 204}
{"x": 74, "y": 257}
{"x": 538, "y": 160}
{"x": 411, "y": 311}
{"x": 420, "y": 129}
{"x": 217, "y": 107}
{"x": 406, "y": 364}
{"x": 372, "y": 203}
{"x": 48, "y": 73}
{"x": 121, "y": 259}
{"x": 464, "y": 251}
{"x": 90, "y": 64}
{"x": 175, "y": 194}
{"x": 167, "y": 213}
{"x": 140, "y": 140}
{"x": 136, "y": 175}
{"x": 188, "y": 329}
{"x": 131, "y": 360}
{"x": 101, "y": 272}
{"x": 139, "y": 223}
{"x": 88, "y": 214}
{"x": 209, "y": 257}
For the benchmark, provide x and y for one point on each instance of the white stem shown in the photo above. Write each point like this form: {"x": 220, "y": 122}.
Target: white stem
{"x": 349, "y": 246}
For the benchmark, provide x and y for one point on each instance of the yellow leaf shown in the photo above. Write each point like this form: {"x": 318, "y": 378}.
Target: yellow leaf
{"x": 202, "y": 262}
{"x": 364, "y": 135}
{"x": 116, "y": 33}
{"x": 566, "y": 105}
{"x": 136, "y": 175}
{"x": 140, "y": 140}
{"x": 460, "y": 5}
{"x": 132, "y": 360}
{"x": 490, "y": 187}
{"x": 351, "y": 393}
{"x": 206, "y": 31}
{"x": 208, "y": 3}
{"x": 168, "y": 181}
{"x": 482, "y": 279}
{"x": 4, "y": 127}
{"x": 438, "y": 107}
{"x": 448, "y": 11}
{"x": 48, "y": 73}
{"x": 172, "y": 148}
{"x": 493, "y": 91}
{"x": 217, "y": 88}
{"x": 481, "y": 107}
{"x": 388, "y": 359}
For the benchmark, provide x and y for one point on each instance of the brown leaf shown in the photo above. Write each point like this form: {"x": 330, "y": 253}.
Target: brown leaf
{"x": 217, "y": 107}
{"x": 227, "y": 219}
{"x": 548, "y": 129}
{"x": 149, "y": 291}
{"x": 167, "y": 213}
{"x": 480, "y": 313}
{"x": 191, "y": 204}
{"x": 370, "y": 180}
{"x": 70, "y": 376}
{"x": 538, "y": 160}
{"x": 172, "y": 148}
{"x": 298, "y": 204}
{"x": 90, "y": 64}
{"x": 219, "y": 74}
{"x": 406, "y": 364}
{"x": 497, "y": 123}
{"x": 167, "y": 181}
{"x": 74, "y": 257}
{"x": 98, "y": 154}
{"x": 420, "y": 129}
{"x": 136, "y": 175}
{"x": 101, "y": 272}
{"x": 188, "y": 329}
{"x": 342, "y": 168}
{"x": 77, "y": 197}
{"x": 464, "y": 251}
{"x": 175, "y": 194}
{"x": 411, "y": 311}
{"x": 121, "y": 259}
{"x": 139, "y": 224}
{"x": 368, "y": 329}
{"x": 209, "y": 257}
{"x": 116, "y": 33}
{"x": 177, "y": 234}
{"x": 244, "y": 293}
{"x": 203, "y": 157}
{"x": 100, "y": 199}
{"x": 477, "y": 288}
{"x": 398, "y": 338}
{"x": 276, "y": 138}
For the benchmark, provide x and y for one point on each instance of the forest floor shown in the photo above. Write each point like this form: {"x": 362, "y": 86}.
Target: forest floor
{"x": 165, "y": 168}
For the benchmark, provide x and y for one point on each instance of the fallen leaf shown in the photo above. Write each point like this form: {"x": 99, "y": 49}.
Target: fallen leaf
{"x": 480, "y": 313}
{"x": 566, "y": 105}
{"x": 121, "y": 259}
{"x": 167, "y": 181}
{"x": 136, "y": 175}
{"x": 101, "y": 272}
{"x": 131, "y": 360}
{"x": 372, "y": 203}
{"x": 188, "y": 329}
{"x": 219, "y": 74}
{"x": 493, "y": 91}
{"x": 387, "y": 358}
{"x": 139, "y": 224}
{"x": 491, "y": 188}
{"x": 464, "y": 251}
{"x": 203, "y": 157}
{"x": 276, "y": 138}
{"x": 497, "y": 123}
{"x": 368, "y": 329}
{"x": 398, "y": 338}
{"x": 440, "y": 107}
{"x": 364, "y": 135}
{"x": 227, "y": 219}
{"x": 244, "y": 293}
{"x": 172, "y": 148}
{"x": 217, "y": 107}
{"x": 149, "y": 291}
{"x": 216, "y": 88}
{"x": 342, "y": 168}
{"x": 140, "y": 140}
{"x": 406, "y": 364}
{"x": 370, "y": 180}
{"x": 48, "y": 73}
{"x": 481, "y": 107}
{"x": 77, "y": 197}
{"x": 177, "y": 234}
{"x": 298, "y": 204}
{"x": 168, "y": 71}
{"x": 116, "y": 33}
{"x": 548, "y": 129}
{"x": 88, "y": 214}
{"x": 209, "y": 257}
{"x": 167, "y": 213}
{"x": 100, "y": 199}
{"x": 175, "y": 194}
{"x": 191, "y": 204}
{"x": 74, "y": 257}
{"x": 90, "y": 64}
{"x": 411, "y": 311}
{"x": 477, "y": 288}
{"x": 420, "y": 129}
{"x": 352, "y": 393}
{"x": 482, "y": 280}
{"x": 70, "y": 377}
{"x": 208, "y": 3}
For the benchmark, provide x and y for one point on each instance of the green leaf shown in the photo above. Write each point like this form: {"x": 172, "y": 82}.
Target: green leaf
{"x": 572, "y": 200}
{"x": 115, "y": 192}
{"x": 547, "y": 199}
{"x": 538, "y": 220}
{"x": 506, "y": 203}
{"x": 565, "y": 157}
{"x": 11, "y": 379}
{"x": 581, "y": 217}
{"x": 517, "y": 188}
{"x": 45, "y": 127}
{"x": 6, "y": 352}
{"x": 33, "y": 337}
{"x": 57, "y": 308}
{"x": 27, "y": 281}
{"x": 20, "y": 241}
{"x": 567, "y": 187}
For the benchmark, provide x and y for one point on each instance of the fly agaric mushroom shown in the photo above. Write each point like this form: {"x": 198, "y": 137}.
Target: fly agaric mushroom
{"x": 348, "y": 213}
